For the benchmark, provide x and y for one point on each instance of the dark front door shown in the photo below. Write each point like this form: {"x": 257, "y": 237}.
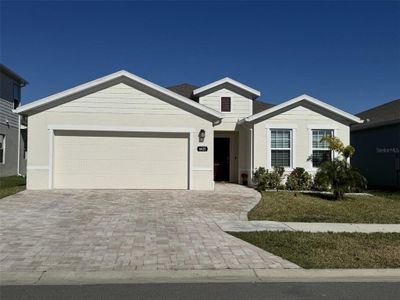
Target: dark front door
{"x": 221, "y": 159}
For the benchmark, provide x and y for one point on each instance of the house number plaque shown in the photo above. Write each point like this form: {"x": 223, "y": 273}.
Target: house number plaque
{"x": 202, "y": 148}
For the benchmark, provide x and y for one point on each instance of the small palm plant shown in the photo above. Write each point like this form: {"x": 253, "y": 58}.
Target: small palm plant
{"x": 338, "y": 173}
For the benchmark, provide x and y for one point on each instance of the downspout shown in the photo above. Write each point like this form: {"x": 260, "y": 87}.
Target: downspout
{"x": 251, "y": 156}
{"x": 19, "y": 146}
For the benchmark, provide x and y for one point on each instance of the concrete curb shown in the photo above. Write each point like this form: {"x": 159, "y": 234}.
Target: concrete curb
{"x": 250, "y": 226}
{"x": 187, "y": 276}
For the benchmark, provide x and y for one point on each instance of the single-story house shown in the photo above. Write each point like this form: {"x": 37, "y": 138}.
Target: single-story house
{"x": 124, "y": 132}
{"x": 377, "y": 143}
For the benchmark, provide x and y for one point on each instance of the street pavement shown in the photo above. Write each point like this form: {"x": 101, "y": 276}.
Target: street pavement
{"x": 176, "y": 291}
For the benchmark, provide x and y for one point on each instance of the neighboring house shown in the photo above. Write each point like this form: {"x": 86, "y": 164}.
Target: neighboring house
{"x": 122, "y": 131}
{"x": 377, "y": 144}
{"x": 12, "y": 126}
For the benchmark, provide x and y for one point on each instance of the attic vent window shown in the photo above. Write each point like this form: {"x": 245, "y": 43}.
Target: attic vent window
{"x": 225, "y": 104}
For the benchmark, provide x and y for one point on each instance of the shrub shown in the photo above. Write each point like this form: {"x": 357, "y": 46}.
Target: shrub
{"x": 338, "y": 173}
{"x": 319, "y": 183}
{"x": 299, "y": 180}
{"x": 268, "y": 180}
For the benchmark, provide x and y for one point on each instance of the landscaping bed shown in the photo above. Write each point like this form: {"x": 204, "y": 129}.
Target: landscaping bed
{"x": 11, "y": 185}
{"x": 304, "y": 207}
{"x": 330, "y": 250}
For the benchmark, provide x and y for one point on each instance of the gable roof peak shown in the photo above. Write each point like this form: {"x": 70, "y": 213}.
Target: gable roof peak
{"x": 253, "y": 93}
{"x": 295, "y": 101}
{"x": 41, "y": 104}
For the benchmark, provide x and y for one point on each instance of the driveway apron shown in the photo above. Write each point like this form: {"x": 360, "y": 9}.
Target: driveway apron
{"x": 99, "y": 230}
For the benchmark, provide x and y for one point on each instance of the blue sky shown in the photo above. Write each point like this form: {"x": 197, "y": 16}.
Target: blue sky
{"x": 344, "y": 53}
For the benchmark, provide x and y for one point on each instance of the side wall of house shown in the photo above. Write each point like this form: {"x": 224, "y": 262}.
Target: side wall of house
{"x": 301, "y": 120}
{"x": 377, "y": 155}
{"x": 121, "y": 106}
{"x": 9, "y": 166}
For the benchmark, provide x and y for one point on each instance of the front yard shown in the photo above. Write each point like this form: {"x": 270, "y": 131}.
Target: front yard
{"x": 330, "y": 250}
{"x": 382, "y": 207}
{"x": 11, "y": 185}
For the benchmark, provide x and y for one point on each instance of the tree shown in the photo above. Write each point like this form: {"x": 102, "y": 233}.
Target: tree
{"x": 338, "y": 173}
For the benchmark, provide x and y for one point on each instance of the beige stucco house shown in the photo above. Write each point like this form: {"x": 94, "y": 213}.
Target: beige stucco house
{"x": 124, "y": 132}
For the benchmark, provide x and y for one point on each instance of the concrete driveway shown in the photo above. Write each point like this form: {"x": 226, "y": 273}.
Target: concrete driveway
{"x": 100, "y": 230}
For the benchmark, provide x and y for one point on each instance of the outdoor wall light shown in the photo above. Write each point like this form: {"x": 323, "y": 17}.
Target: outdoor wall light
{"x": 202, "y": 135}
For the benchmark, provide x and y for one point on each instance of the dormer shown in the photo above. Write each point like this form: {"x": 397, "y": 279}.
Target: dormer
{"x": 230, "y": 97}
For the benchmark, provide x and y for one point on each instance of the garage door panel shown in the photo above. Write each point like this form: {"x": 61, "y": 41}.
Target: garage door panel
{"x": 120, "y": 167}
{"x": 124, "y": 153}
{"x": 132, "y": 161}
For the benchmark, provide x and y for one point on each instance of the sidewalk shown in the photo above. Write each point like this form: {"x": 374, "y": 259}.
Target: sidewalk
{"x": 247, "y": 226}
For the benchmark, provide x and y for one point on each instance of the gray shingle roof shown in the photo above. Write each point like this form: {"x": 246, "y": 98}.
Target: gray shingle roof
{"x": 4, "y": 69}
{"x": 186, "y": 90}
{"x": 385, "y": 114}
{"x": 259, "y": 106}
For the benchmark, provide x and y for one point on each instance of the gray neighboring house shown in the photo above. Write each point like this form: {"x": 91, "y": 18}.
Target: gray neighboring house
{"x": 13, "y": 133}
{"x": 377, "y": 143}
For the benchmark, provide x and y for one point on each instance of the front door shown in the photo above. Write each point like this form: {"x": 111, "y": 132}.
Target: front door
{"x": 221, "y": 159}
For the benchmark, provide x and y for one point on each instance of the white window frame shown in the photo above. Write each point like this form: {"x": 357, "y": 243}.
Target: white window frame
{"x": 4, "y": 149}
{"x": 292, "y": 128}
{"x": 311, "y": 128}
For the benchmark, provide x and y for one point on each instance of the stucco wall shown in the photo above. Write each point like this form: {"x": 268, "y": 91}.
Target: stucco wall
{"x": 117, "y": 106}
{"x": 301, "y": 120}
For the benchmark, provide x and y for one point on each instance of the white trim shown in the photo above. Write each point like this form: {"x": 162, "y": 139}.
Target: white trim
{"x": 303, "y": 97}
{"x": 202, "y": 169}
{"x": 224, "y": 81}
{"x": 280, "y": 126}
{"x": 292, "y": 147}
{"x": 120, "y": 128}
{"x": 52, "y": 128}
{"x": 250, "y": 107}
{"x": 310, "y": 129}
{"x": 310, "y": 149}
{"x": 322, "y": 126}
{"x": 51, "y": 158}
{"x": 268, "y": 149}
{"x": 120, "y": 74}
{"x": 190, "y": 153}
{"x": 37, "y": 167}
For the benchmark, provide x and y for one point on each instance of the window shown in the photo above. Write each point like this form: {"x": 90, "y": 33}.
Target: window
{"x": 320, "y": 149}
{"x": 281, "y": 147}
{"x": 225, "y": 104}
{"x": 2, "y": 148}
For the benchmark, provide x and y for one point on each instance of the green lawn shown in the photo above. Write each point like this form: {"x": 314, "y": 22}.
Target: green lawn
{"x": 330, "y": 250}
{"x": 299, "y": 207}
{"x": 394, "y": 195}
{"x": 11, "y": 185}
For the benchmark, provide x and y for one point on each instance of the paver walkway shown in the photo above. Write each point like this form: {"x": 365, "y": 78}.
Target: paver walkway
{"x": 127, "y": 230}
{"x": 241, "y": 225}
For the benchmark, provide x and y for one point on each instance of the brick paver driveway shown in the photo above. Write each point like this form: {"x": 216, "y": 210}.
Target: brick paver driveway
{"x": 98, "y": 230}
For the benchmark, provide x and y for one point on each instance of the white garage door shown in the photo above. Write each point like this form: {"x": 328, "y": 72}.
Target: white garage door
{"x": 99, "y": 160}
